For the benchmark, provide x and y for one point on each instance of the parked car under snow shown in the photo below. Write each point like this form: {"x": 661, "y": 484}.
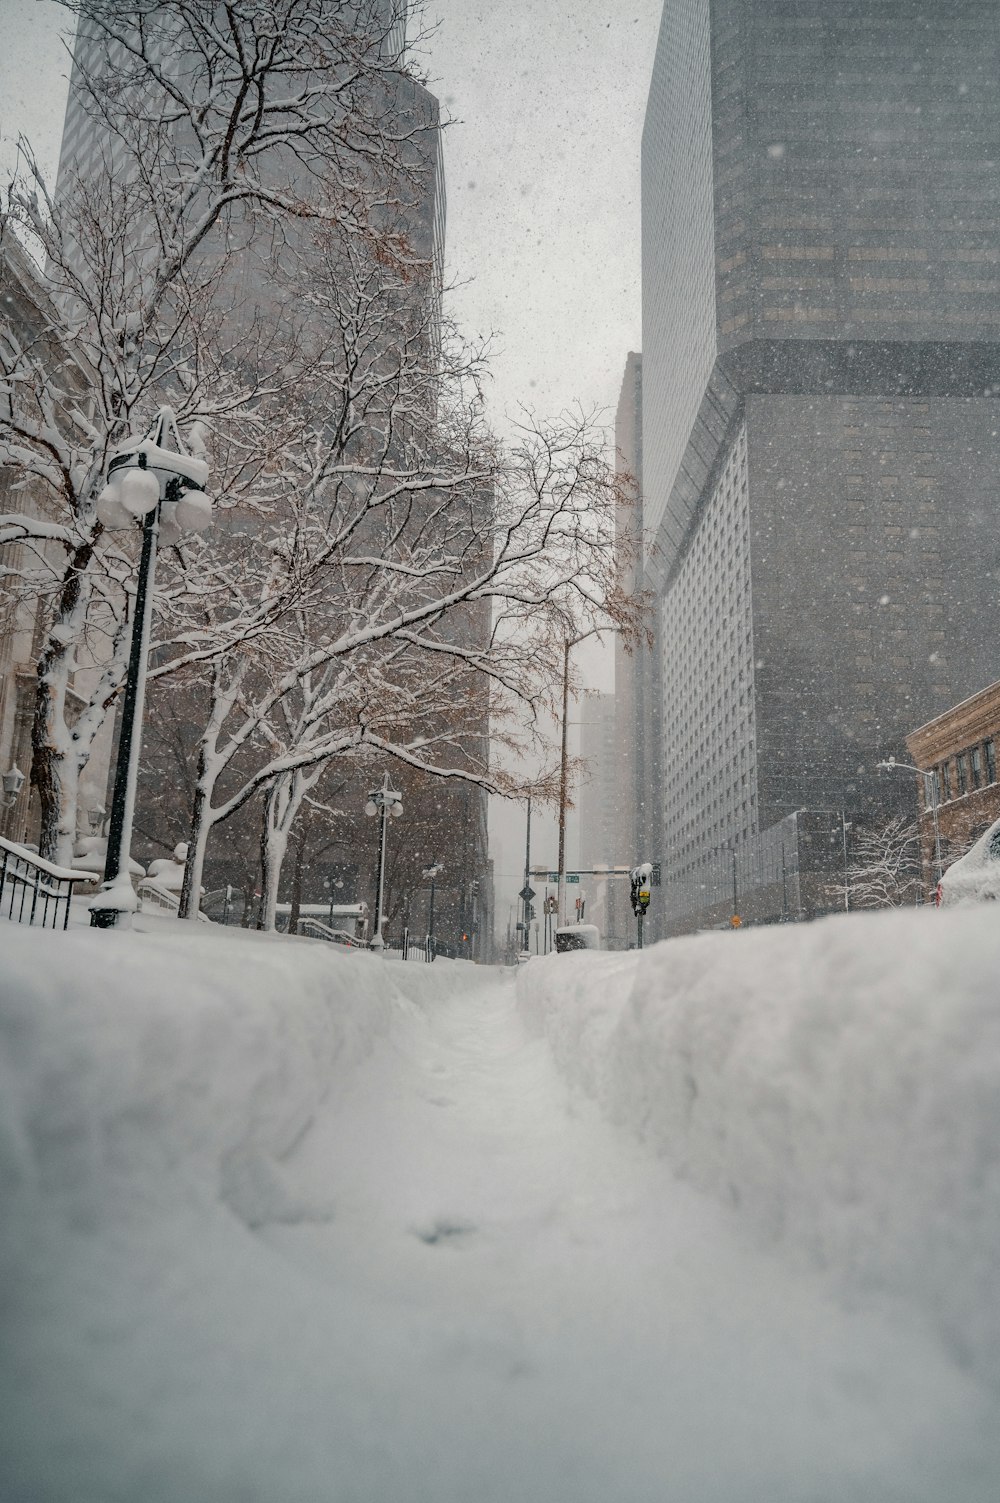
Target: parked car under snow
{"x": 974, "y": 877}
{"x": 577, "y": 937}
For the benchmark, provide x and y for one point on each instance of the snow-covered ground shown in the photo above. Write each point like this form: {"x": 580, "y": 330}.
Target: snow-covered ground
{"x": 713, "y": 1224}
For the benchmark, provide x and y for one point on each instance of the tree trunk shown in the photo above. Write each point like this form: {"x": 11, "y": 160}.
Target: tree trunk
{"x": 300, "y": 853}
{"x": 281, "y": 808}
{"x": 273, "y": 845}
{"x": 201, "y": 827}
{"x": 56, "y": 760}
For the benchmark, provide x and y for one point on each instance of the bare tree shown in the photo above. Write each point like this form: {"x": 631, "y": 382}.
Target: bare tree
{"x": 216, "y": 129}
{"x": 884, "y": 866}
{"x": 427, "y": 633}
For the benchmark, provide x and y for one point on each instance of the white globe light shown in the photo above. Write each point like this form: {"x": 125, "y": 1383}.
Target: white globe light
{"x": 194, "y": 512}
{"x": 111, "y": 510}
{"x": 397, "y": 808}
{"x": 170, "y": 531}
{"x": 371, "y": 808}
{"x": 139, "y": 491}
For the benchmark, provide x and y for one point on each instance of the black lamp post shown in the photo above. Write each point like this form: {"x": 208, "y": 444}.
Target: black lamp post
{"x": 164, "y": 489}
{"x": 432, "y": 872}
{"x": 383, "y": 801}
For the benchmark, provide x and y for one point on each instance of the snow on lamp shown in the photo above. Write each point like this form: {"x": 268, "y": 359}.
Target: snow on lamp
{"x": 142, "y": 474}
{"x": 139, "y": 491}
{"x": 164, "y": 489}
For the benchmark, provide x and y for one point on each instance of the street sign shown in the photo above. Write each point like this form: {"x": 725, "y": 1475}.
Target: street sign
{"x": 526, "y": 894}
{"x": 572, "y": 876}
{"x": 735, "y": 922}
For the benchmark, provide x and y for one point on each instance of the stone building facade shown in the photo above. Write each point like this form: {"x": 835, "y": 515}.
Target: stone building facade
{"x": 820, "y": 407}
{"x": 27, "y": 323}
{"x": 959, "y": 750}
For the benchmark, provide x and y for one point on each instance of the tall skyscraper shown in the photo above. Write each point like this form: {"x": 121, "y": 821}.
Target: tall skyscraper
{"x": 820, "y": 410}
{"x": 631, "y": 668}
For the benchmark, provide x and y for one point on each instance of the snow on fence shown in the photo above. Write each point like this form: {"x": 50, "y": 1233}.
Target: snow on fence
{"x": 837, "y": 1084}
{"x": 35, "y": 887}
{"x": 153, "y": 896}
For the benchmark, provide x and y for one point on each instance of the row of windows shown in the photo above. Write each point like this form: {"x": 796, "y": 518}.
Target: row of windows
{"x": 976, "y": 767}
{"x": 708, "y": 680}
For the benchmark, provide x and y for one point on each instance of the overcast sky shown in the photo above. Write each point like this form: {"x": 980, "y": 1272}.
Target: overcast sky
{"x": 542, "y": 169}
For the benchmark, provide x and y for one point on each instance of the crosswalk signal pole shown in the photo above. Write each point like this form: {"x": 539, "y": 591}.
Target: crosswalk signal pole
{"x": 641, "y": 877}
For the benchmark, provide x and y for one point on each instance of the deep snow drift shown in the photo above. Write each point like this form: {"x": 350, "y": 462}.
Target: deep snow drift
{"x": 286, "y": 1224}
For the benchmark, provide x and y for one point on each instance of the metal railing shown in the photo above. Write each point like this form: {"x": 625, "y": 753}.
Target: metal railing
{"x": 427, "y": 948}
{"x": 27, "y": 882}
{"x": 315, "y": 928}
{"x": 152, "y": 895}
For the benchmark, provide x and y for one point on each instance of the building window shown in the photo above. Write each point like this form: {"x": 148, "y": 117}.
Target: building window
{"x": 990, "y": 748}
{"x": 946, "y": 780}
{"x": 960, "y": 773}
{"x": 976, "y": 766}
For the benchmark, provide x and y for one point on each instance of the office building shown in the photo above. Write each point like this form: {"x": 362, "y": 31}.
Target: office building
{"x": 959, "y": 795}
{"x": 820, "y": 408}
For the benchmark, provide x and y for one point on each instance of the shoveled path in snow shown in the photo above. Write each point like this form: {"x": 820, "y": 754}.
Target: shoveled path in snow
{"x": 528, "y": 1307}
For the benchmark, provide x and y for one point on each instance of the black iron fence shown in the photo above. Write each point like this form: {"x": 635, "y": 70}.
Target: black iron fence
{"x": 33, "y": 891}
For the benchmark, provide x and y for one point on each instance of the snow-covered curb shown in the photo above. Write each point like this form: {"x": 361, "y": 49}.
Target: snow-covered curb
{"x": 839, "y": 1083}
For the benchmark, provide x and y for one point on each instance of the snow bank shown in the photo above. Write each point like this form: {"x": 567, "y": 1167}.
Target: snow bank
{"x": 839, "y": 1083}
{"x": 218, "y": 1065}
{"x": 219, "y": 1046}
{"x": 152, "y": 1085}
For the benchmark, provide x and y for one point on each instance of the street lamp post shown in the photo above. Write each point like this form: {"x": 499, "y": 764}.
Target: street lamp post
{"x": 332, "y": 887}
{"x": 164, "y": 489}
{"x": 382, "y": 801}
{"x": 431, "y": 873}
{"x": 930, "y": 799}
{"x": 13, "y": 782}
{"x": 568, "y": 644}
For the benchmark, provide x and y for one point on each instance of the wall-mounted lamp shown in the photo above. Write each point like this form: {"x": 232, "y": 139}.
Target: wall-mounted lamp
{"x": 13, "y": 782}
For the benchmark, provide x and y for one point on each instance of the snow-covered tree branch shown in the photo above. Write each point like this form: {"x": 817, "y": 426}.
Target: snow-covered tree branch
{"x": 218, "y": 133}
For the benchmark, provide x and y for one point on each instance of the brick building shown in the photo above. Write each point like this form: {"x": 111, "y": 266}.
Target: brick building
{"x": 959, "y": 750}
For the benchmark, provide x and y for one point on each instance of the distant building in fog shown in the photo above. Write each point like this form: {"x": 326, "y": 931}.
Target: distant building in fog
{"x": 633, "y": 740}
{"x": 602, "y": 802}
{"x": 820, "y": 409}
{"x": 598, "y": 796}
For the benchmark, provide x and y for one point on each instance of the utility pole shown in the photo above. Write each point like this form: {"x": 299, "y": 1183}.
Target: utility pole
{"x": 640, "y": 877}
{"x": 527, "y": 874}
{"x": 568, "y": 643}
{"x": 563, "y": 779}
